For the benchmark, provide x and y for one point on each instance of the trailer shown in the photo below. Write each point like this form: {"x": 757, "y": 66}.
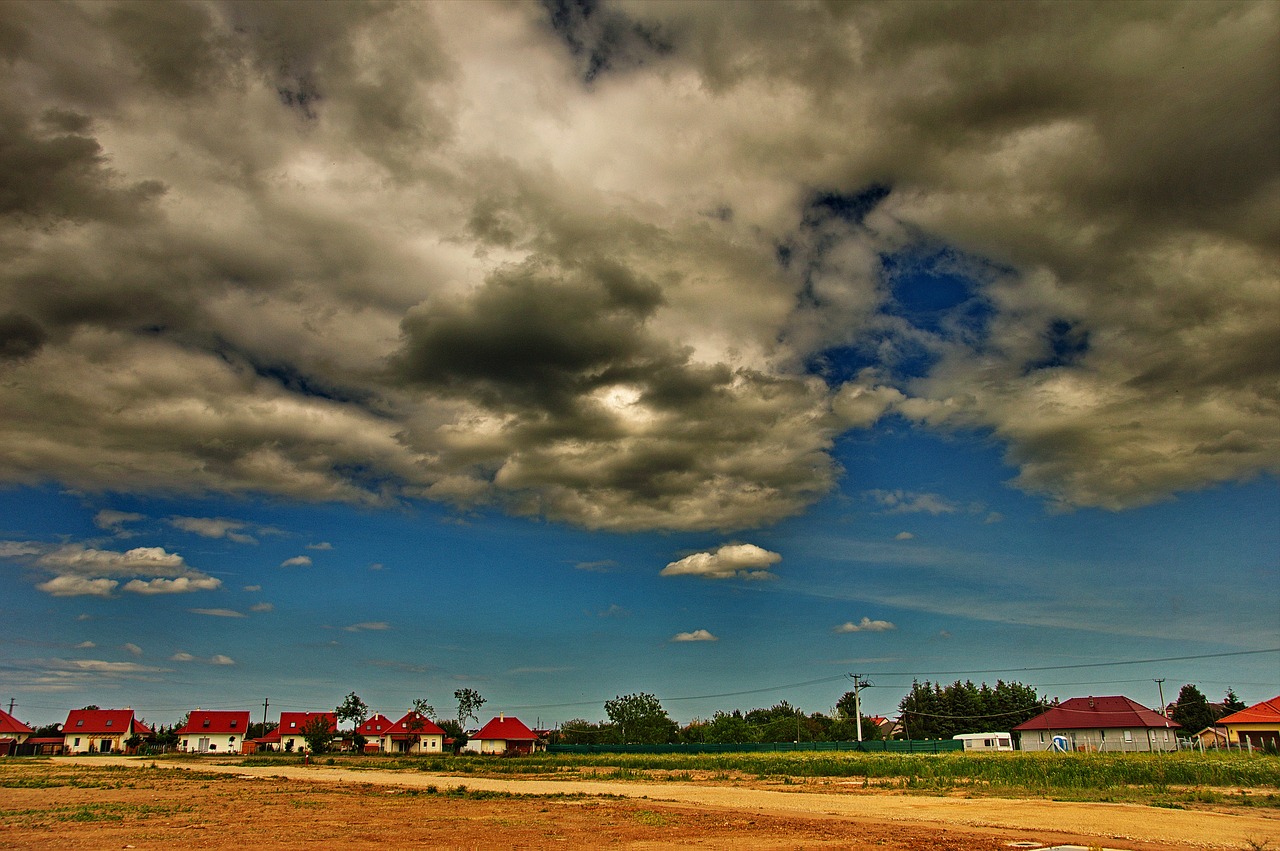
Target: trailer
{"x": 985, "y": 741}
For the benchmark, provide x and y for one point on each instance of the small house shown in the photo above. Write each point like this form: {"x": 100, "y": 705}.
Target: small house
{"x": 287, "y": 736}
{"x": 373, "y": 730}
{"x": 12, "y": 733}
{"x": 1099, "y": 724}
{"x": 213, "y": 732}
{"x": 503, "y": 735}
{"x": 415, "y": 733}
{"x": 101, "y": 730}
{"x": 1257, "y": 726}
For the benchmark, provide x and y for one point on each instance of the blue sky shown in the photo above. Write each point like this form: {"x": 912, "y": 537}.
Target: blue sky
{"x": 563, "y": 350}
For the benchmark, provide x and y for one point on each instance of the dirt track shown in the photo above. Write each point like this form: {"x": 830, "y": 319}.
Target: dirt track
{"x": 1116, "y": 825}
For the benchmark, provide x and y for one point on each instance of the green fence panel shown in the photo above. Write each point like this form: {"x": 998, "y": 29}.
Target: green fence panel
{"x": 877, "y": 746}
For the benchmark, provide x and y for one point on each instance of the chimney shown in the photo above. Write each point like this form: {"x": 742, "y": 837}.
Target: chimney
{"x": 502, "y": 716}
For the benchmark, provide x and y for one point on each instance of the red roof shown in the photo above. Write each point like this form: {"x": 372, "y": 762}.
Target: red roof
{"x": 233, "y": 723}
{"x": 97, "y": 722}
{"x": 415, "y": 724}
{"x": 10, "y": 726}
{"x": 375, "y": 726}
{"x": 291, "y": 724}
{"x": 1267, "y": 712}
{"x": 1096, "y": 713}
{"x": 509, "y": 729}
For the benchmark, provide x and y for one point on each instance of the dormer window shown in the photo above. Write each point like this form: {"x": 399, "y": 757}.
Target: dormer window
{"x": 206, "y": 722}
{"x": 79, "y": 722}
{"x": 234, "y": 722}
{"x": 109, "y": 720}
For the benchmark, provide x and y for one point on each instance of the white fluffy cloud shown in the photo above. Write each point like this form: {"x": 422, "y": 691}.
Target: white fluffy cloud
{"x": 214, "y": 527}
{"x": 731, "y": 561}
{"x": 297, "y": 561}
{"x": 865, "y": 625}
{"x": 485, "y": 255}
{"x": 695, "y": 635}
{"x": 81, "y": 571}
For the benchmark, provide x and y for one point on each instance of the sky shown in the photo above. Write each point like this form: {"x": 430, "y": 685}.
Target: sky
{"x": 566, "y": 350}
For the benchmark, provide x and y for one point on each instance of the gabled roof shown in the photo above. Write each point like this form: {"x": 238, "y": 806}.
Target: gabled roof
{"x": 1096, "y": 713}
{"x": 291, "y": 724}
{"x": 217, "y": 723}
{"x": 103, "y": 721}
{"x": 10, "y": 726}
{"x": 378, "y": 725}
{"x": 1267, "y": 712}
{"x": 509, "y": 729}
{"x": 415, "y": 724}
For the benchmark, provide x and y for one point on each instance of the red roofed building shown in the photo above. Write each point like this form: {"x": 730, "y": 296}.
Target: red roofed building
{"x": 287, "y": 736}
{"x": 213, "y": 732}
{"x": 414, "y": 733}
{"x": 12, "y": 733}
{"x": 1099, "y": 724}
{"x": 1257, "y": 726}
{"x": 101, "y": 730}
{"x": 373, "y": 730}
{"x": 503, "y": 735}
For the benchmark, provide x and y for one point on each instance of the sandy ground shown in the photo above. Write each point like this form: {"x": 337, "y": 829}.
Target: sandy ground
{"x": 228, "y": 806}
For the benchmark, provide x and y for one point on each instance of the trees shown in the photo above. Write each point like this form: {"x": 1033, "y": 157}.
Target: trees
{"x": 1231, "y": 703}
{"x": 317, "y": 733}
{"x": 931, "y": 711}
{"x": 469, "y": 703}
{"x": 641, "y": 719}
{"x": 355, "y": 710}
{"x": 1192, "y": 710}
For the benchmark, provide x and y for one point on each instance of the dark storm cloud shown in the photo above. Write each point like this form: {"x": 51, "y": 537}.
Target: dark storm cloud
{"x": 368, "y": 251}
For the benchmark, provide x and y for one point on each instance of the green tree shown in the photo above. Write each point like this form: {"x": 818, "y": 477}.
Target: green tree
{"x": 731, "y": 728}
{"x": 317, "y": 734}
{"x": 355, "y": 710}
{"x": 424, "y": 709}
{"x": 453, "y": 730}
{"x": 1231, "y": 703}
{"x": 1192, "y": 710}
{"x": 469, "y": 703}
{"x": 641, "y": 719}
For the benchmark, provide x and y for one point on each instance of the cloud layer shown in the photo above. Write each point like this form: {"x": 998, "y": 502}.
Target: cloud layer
{"x": 633, "y": 267}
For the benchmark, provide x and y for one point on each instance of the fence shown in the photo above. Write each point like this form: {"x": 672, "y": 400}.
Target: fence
{"x": 877, "y": 746}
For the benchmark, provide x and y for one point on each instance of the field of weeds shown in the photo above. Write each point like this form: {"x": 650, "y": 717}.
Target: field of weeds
{"x": 1187, "y": 778}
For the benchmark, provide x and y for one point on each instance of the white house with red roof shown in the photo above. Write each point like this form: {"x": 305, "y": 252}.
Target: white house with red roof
{"x": 287, "y": 736}
{"x": 209, "y": 731}
{"x": 12, "y": 733}
{"x": 503, "y": 735}
{"x": 1256, "y": 726}
{"x": 415, "y": 733}
{"x": 1112, "y": 723}
{"x": 101, "y": 730}
{"x": 373, "y": 730}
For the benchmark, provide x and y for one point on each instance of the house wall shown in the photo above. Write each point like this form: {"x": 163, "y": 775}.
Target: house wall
{"x": 1258, "y": 734}
{"x": 1133, "y": 739}
{"x": 426, "y": 744}
{"x": 207, "y": 743}
{"x": 83, "y": 742}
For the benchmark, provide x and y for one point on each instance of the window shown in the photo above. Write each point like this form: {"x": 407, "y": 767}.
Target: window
{"x": 77, "y": 741}
{"x": 1128, "y": 735}
{"x": 79, "y": 723}
{"x": 109, "y": 722}
{"x": 234, "y": 722}
{"x": 1042, "y": 737}
{"x": 206, "y": 723}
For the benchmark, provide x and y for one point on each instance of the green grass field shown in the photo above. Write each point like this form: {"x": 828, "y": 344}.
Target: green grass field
{"x": 1161, "y": 779}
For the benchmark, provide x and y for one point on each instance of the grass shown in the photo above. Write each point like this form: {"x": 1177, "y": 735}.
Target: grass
{"x": 1173, "y": 779}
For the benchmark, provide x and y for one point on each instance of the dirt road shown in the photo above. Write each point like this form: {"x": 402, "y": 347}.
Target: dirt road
{"x": 1118, "y": 825}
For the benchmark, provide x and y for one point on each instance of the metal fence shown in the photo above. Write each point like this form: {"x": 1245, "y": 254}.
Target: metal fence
{"x": 877, "y": 746}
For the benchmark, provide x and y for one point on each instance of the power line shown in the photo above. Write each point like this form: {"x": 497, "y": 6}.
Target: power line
{"x": 1081, "y": 665}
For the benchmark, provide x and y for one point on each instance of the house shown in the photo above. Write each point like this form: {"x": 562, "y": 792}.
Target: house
{"x": 213, "y": 732}
{"x": 1257, "y": 726}
{"x": 373, "y": 730}
{"x": 1210, "y": 738}
{"x": 414, "y": 733}
{"x": 1099, "y": 724}
{"x": 12, "y": 733}
{"x": 287, "y": 736}
{"x": 101, "y": 730}
{"x": 502, "y": 735}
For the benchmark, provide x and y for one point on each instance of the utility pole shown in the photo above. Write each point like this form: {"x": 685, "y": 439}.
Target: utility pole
{"x": 265, "y": 703}
{"x": 12, "y": 701}
{"x": 1163, "y": 709}
{"x": 858, "y": 684}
